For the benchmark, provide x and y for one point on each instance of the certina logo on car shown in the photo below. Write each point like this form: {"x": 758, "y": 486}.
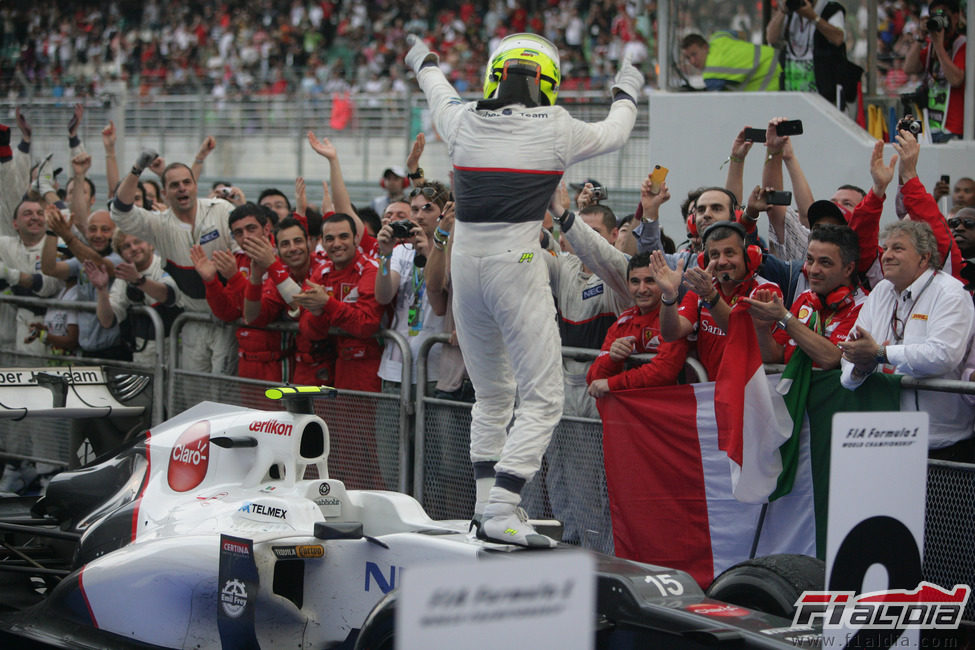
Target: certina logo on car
{"x": 190, "y": 458}
{"x": 272, "y": 426}
{"x": 233, "y": 598}
{"x": 234, "y": 547}
{"x": 264, "y": 510}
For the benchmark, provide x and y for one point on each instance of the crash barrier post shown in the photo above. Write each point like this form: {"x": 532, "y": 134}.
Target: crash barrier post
{"x": 443, "y": 476}
{"x": 48, "y": 440}
{"x": 370, "y": 433}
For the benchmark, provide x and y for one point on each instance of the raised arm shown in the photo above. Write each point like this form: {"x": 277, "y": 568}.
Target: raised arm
{"x": 672, "y": 325}
{"x": 111, "y": 162}
{"x": 206, "y": 148}
{"x": 80, "y": 207}
{"x": 734, "y": 182}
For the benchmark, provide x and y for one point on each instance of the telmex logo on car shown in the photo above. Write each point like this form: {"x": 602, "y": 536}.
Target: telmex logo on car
{"x": 264, "y": 510}
{"x": 190, "y": 458}
{"x": 272, "y": 426}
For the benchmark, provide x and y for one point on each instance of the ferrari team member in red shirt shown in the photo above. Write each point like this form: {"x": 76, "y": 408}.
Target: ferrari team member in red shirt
{"x": 821, "y": 316}
{"x": 261, "y": 354}
{"x": 264, "y": 301}
{"x": 637, "y": 331}
{"x": 341, "y": 294}
{"x": 726, "y": 273}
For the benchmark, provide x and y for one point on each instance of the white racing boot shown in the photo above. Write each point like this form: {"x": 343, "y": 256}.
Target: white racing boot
{"x": 509, "y": 525}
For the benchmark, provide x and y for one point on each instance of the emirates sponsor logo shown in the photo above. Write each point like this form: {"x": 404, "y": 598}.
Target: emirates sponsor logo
{"x": 190, "y": 458}
{"x": 272, "y": 426}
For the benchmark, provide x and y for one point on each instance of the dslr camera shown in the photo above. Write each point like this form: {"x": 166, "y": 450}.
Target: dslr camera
{"x": 937, "y": 23}
{"x": 909, "y": 123}
{"x": 402, "y": 229}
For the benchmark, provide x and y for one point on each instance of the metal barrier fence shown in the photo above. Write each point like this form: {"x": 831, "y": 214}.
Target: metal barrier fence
{"x": 370, "y": 433}
{"x": 50, "y": 441}
{"x": 949, "y": 527}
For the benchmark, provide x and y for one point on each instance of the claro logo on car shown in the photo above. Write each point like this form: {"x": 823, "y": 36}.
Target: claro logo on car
{"x": 190, "y": 458}
{"x": 272, "y": 426}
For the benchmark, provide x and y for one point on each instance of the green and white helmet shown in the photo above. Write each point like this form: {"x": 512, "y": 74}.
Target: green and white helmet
{"x": 528, "y": 55}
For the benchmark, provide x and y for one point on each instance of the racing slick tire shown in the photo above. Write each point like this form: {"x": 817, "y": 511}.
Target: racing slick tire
{"x": 378, "y": 630}
{"x": 770, "y": 584}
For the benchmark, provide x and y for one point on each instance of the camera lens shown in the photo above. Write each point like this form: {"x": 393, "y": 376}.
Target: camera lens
{"x": 937, "y": 23}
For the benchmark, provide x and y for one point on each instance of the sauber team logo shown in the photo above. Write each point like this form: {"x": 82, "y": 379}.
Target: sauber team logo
{"x": 926, "y": 607}
{"x": 190, "y": 458}
{"x": 272, "y": 426}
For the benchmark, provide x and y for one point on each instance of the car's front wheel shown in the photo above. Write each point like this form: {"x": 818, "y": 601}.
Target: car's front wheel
{"x": 770, "y": 584}
{"x": 378, "y": 629}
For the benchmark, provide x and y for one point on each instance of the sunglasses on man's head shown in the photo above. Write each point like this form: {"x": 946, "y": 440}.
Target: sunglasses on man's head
{"x": 954, "y": 222}
{"x": 429, "y": 192}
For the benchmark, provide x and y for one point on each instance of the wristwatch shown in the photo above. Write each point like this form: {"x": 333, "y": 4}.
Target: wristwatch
{"x": 782, "y": 322}
{"x": 415, "y": 175}
{"x": 668, "y": 302}
{"x": 881, "y": 357}
{"x": 712, "y": 301}
{"x": 562, "y": 217}
{"x": 138, "y": 283}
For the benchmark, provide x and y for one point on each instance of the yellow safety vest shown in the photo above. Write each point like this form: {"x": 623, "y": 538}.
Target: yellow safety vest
{"x": 751, "y": 67}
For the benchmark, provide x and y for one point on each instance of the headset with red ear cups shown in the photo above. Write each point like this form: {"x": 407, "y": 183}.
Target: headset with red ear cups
{"x": 837, "y": 298}
{"x": 753, "y": 254}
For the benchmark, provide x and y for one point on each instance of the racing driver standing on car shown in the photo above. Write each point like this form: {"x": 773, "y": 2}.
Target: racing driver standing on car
{"x": 509, "y": 152}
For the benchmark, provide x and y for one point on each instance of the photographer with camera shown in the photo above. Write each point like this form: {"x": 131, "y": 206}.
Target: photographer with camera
{"x": 404, "y": 246}
{"x": 938, "y": 53}
{"x": 811, "y": 35}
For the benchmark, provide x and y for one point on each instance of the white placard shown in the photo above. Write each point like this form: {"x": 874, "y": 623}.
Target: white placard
{"x": 877, "y": 489}
{"x": 539, "y": 599}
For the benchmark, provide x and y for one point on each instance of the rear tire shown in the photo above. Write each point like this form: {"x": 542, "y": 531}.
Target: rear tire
{"x": 770, "y": 584}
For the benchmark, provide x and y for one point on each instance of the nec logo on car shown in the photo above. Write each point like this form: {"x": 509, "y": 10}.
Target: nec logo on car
{"x": 266, "y": 511}
{"x": 272, "y": 426}
{"x": 190, "y": 458}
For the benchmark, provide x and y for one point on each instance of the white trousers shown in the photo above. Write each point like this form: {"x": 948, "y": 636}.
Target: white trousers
{"x": 505, "y": 318}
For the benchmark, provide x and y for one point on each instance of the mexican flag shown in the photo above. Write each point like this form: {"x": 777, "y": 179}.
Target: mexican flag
{"x": 671, "y": 490}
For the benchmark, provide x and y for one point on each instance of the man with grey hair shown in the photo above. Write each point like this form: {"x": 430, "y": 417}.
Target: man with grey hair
{"x": 917, "y": 322}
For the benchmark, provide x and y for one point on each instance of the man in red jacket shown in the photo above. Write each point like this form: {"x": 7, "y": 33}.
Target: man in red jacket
{"x": 261, "y": 354}
{"x": 637, "y": 331}
{"x": 272, "y": 299}
{"x": 341, "y": 294}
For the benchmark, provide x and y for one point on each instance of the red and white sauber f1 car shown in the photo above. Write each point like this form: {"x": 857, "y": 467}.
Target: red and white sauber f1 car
{"x": 204, "y": 533}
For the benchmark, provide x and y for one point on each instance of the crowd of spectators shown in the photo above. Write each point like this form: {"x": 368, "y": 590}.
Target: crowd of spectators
{"x": 77, "y": 49}
{"x": 71, "y": 49}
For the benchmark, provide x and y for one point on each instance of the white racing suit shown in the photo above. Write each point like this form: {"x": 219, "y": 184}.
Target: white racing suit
{"x": 205, "y": 347}
{"x": 507, "y": 163}
{"x": 589, "y": 301}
